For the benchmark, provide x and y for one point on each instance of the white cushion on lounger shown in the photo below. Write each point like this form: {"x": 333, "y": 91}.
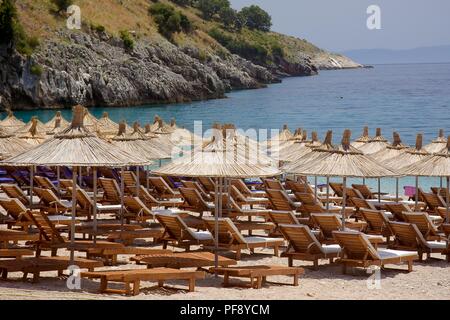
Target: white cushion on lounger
{"x": 332, "y": 248}
{"x": 203, "y": 235}
{"x": 388, "y": 215}
{"x": 388, "y": 253}
{"x": 256, "y": 199}
{"x": 437, "y": 244}
{"x": 108, "y": 207}
{"x": 261, "y": 239}
{"x": 435, "y": 218}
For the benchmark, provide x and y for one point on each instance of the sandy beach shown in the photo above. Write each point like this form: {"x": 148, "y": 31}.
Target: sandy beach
{"x": 429, "y": 280}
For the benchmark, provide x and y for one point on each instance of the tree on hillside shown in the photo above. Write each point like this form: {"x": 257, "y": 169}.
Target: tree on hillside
{"x": 169, "y": 20}
{"x": 256, "y": 18}
{"x": 209, "y": 8}
{"x": 228, "y": 16}
{"x": 8, "y": 20}
{"x": 62, "y": 5}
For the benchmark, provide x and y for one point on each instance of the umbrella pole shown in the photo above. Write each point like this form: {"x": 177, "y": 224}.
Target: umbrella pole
{"x": 440, "y": 183}
{"x": 80, "y": 177}
{"x": 147, "y": 180}
{"x": 364, "y": 180}
{"x": 138, "y": 181}
{"x": 417, "y": 194}
{"x": 31, "y": 185}
{"x": 328, "y": 193}
{"x": 74, "y": 208}
{"x": 315, "y": 187}
{"x": 447, "y": 196}
{"x": 344, "y": 200}
{"x": 379, "y": 190}
{"x": 122, "y": 192}
{"x": 94, "y": 173}
{"x": 58, "y": 178}
{"x": 396, "y": 189}
{"x": 216, "y": 226}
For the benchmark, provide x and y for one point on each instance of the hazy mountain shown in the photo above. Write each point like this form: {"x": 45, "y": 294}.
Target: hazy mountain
{"x": 386, "y": 56}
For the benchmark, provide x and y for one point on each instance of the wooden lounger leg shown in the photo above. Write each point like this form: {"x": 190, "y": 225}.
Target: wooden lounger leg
{"x": 136, "y": 286}
{"x": 410, "y": 265}
{"x": 192, "y": 284}
{"x": 226, "y": 279}
{"x": 103, "y": 285}
{"x": 316, "y": 264}
{"x": 296, "y": 280}
{"x": 4, "y": 274}
{"x": 238, "y": 254}
{"x": 258, "y": 282}
{"x": 36, "y": 276}
{"x": 160, "y": 283}
{"x": 276, "y": 251}
{"x": 290, "y": 262}
{"x": 128, "y": 288}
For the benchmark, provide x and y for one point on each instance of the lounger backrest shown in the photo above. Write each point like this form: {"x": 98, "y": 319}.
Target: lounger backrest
{"x": 301, "y": 238}
{"x": 283, "y": 217}
{"x": 161, "y": 185}
{"x": 236, "y": 194}
{"x": 397, "y": 210}
{"x": 327, "y": 222}
{"x": 295, "y": 186}
{"x": 433, "y": 200}
{"x": 306, "y": 198}
{"x": 279, "y": 200}
{"x": 194, "y": 185}
{"x": 407, "y": 235}
{"x": 135, "y": 206}
{"x": 364, "y": 190}
{"x": 362, "y": 204}
{"x": 175, "y": 227}
{"x": 14, "y": 192}
{"x": 45, "y": 226}
{"x": 44, "y": 182}
{"x": 207, "y": 183}
{"x": 13, "y": 207}
{"x": 337, "y": 188}
{"x": 422, "y": 221}
{"x": 355, "y": 245}
{"x": 66, "y": 183}
{"x": 146, "y": 196}
{"x": 241, "y": 186}
{"x": 273, "y": 184}
{"x": 228, "y": 233}
{"x": 111, "y": 189}
{"x": 83, "y": 199}
{"x": 129, "y": 179}
{"x": 376, "y": 220}
{"x": 194, "y": 199}
{"x": 46, "y": 195}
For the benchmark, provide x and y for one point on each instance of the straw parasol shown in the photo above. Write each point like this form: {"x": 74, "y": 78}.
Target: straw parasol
{"x": 438, "y": 144}
{"x": 344, "y": 161}
{"x": 300, "y": 149}
{"x": 33, "y": 136}
{"x": 34, "y": 122}
{"x": 108, "y": 128}
{"x": 376, "y": 144}
{"x": 76, "y": 146}
{"x": 89, "y": 121}
{"x": 182, "y": 136}
{"x": 160, "y": 141}
{"x": 57, "y": 121}
{"x": 284, "y": 135}
{"x": 435, "y": 165}
{"x": 221, "y": 158}
{"x": 409, "y": 156}
{"x": 10, "y": 145}
{"x": 11, "y": 123}
{"x": 391, "y": 151}
{"x": 362, "y": 140}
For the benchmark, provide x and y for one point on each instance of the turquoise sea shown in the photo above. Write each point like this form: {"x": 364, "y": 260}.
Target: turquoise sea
{"x": 408, "y": 98}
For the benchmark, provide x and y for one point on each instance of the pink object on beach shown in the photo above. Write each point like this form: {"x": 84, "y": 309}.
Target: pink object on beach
{"x": 409, "y": 191}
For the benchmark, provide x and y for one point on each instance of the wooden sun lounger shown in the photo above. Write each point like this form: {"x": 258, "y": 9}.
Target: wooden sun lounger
{"x": 111, "y": 191}
{"x": 359, "y": 252}
{"x": 163, "y": 189}
{"x": 15, "y": 253}
{"x": 251, "y": 201}
{"x": 51, "y": 203}
{"x": 128, "y": 277}
{"x": 150, "y": 201}
{"x": 257, "y": 274}
{"x": 17, "y": 211}
{"x": 42, "y": 264}
{"x": 128, "y": 237}
{"x": 377, "y": 223}
{"x": 242, "y": 187}
{"x": 425, "y": 225}
{"x": 14, "y": 192}
{"x": 178, "y": 260}
{"x": 279, "y": 200}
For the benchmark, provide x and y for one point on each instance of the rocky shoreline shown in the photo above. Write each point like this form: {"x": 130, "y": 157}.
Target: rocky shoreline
{"x": 96, "y": 69}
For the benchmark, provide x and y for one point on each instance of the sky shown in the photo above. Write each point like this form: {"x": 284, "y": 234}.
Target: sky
{"x": 340, "y": 25}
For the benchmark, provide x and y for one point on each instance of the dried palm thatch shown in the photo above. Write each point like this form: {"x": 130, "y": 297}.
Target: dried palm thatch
{"x": 310, "y": 154}
{"x": 75, "y": 146}
{"x": 409, "y": 156}
{"x": 391, "y": 151}
{"x": 344, "y": 161}
{"x": 438, "y": 144}
{"x": 137, "y": 144}
{"x": 56, "y": 122}
{"x": 220, "y": 158}
{"x": 284, "y": 135}
{"x": 435, "y": 165}
{"x": 89, "y": 121}
{"x": 106, "y": 127}
{"x": 300, "y": 149}
{"x": 11, "y": 123}
{"x": 33, "y": 136}
{"x": 182, "y": 136}
{"x": 34, "y": 122}
{"x": 362, "y": 140}
{"x": 376, "y": 144}
{"x": 10, "y": 145}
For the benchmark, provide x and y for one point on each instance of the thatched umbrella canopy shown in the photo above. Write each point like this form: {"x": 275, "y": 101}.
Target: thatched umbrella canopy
{"x": 300, "y": 149}
{"x": 409, "y": 156}
{"x": 89, "y": 121}
{"x": 159, "y": 142}
{"x": 376, "y": 144}
{"x": 438, "y": 144}
{"x": 182, "y": 136}
{"x": 363, "y": 139}
{"x": 33, "y": 123}
{"x": 11, "y": 123}
{"x": 344, "y": 161}
{"x": 137, "y": 144}
{"x": 391, "y": 151}
{"x": 33, "y": 136}
{"x": 106, "y": 127}
{"x": 284, "y": 135}
{"x": 57, "y": 121}
{"x": 10, "y": 145}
